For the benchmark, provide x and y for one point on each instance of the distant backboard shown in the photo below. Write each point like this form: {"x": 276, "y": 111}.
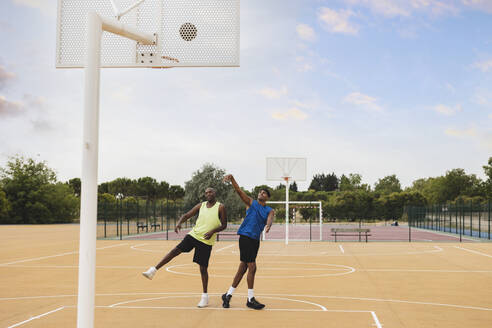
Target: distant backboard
{"x": 188, "y": 33}
{"x": 280, "y": 168}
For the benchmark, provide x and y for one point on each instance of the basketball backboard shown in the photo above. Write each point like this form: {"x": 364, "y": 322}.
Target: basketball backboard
{"x": 280, "y": 168}
{"x": 189, "y": 33}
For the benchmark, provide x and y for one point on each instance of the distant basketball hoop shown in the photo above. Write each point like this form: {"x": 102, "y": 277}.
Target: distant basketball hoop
{"x": 286, "y": 169}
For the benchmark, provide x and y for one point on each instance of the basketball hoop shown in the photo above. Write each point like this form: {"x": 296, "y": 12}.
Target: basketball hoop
{"x": 286, "y": 169}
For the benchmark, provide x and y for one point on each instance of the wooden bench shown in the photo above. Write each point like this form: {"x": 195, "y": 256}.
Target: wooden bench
{"x": 350, "y": 232}
{"x": 141, "y": 225}
{"x": 155, "y": 225}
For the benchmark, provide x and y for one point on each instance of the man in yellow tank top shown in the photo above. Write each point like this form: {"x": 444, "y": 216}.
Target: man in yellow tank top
{"x": 211, "y": 219}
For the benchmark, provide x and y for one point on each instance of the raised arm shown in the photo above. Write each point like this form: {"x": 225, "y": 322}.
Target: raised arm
{"x": 271, "y": 215}
{"x": 245, "y": 198}
{"x": 223, "y": 221}
{"x": 186, "y": 216}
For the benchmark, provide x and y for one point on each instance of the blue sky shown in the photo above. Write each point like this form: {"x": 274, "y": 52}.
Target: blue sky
{"x": 375, "y": 87}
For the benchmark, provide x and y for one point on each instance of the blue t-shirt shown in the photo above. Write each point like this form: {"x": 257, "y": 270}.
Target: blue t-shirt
{"x": 255, "y": 220}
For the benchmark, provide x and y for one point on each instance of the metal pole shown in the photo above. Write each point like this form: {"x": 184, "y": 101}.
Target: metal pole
{"x": 471, "y": 217}
{"x": 320, "y": 221}
{"x": 167, "y": 218}
{"x": 489, "y": 218}
{"x": 409, "y": 224}
{"x": 286, "y": 211}
{"x": 479, "y": 220}
{"x": 88, "y": 210}
{"x": 90, "y": 148}
{"x": 461, "y": 223}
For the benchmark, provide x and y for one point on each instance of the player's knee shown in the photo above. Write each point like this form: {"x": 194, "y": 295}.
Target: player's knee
{"x": 252, "y": 267}
{"x": 203, "y": 269}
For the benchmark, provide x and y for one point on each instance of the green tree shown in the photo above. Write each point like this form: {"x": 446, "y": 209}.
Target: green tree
{"x": 324, "y": 182}
{"x": 388, "y": 185}
{"x": 211, "y": 176}
{"x": 4, "y": 207}
{"x": 293, "y": 187}
{"x": 176, "y": 192}
{"x": 352, "y": 182}
{"x": 34, "y": 194}
{"x": 147, "y": 187}
{"x": 124, "y": 186}
{"x": 488, "y": 183}
{"x": 76, "y": 185}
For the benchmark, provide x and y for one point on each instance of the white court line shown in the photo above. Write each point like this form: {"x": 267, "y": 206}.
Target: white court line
{"x": 476, "y": 252}
{"x": 436, "y": 249}
{"x": 36, "y": 317}
{"x": 376, "y": 320}
{"x": 57, "y": 255}
{"x": 348, "y": 270}
{"x": 341, "y": 248}
{"x": 221, "y": 249}
{"x": 119, "y": 304}
{"x": 466, "y": 307}
{"x": 262, "y": 269}
{"x": 425, "y": 270}
{"x": 218, "y": 308}
{"x": 390, "y": 301}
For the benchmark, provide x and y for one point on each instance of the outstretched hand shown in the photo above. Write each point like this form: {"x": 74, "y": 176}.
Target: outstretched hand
{"x": 177, "y": 228}
{"x": 228, "y": 178}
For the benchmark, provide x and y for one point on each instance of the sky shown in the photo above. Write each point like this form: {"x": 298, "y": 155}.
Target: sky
{"x": 375, "y": 87}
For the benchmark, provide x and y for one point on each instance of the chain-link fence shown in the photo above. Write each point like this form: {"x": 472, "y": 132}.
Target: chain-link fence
{"x": 462, "y": 218}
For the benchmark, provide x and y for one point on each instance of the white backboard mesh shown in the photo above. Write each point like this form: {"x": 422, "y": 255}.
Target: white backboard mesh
{"x": 189, "y": 33}
{"x": 278, "y": 168}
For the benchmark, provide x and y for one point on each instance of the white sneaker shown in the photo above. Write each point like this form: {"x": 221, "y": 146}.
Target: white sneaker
{"x": 150, "y": 273}
{"x": 203, "y": 302}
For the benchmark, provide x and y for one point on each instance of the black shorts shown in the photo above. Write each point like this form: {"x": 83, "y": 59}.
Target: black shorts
{"x": 202, "y": 251}
{"x": 248, "y": 248}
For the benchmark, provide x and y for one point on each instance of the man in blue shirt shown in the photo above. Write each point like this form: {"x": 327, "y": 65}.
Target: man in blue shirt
{"x": 257, "y": 216}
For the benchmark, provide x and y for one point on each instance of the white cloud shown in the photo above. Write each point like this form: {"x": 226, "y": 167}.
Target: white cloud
{"x": 463, "y": 133}
{"x": 405, "y": 8}
{"x": 447, "y": 110}
{"x": 306, "y": 32}
{"x": 337, "y": 21}
{"x": 46, "y": 6}
{"x": 365, "y": 101}
{"x": 303, "y": 65}
{"x": 479, "y": 136}
{"x": 293, "y": 113}
{"x": 10, "y": 108}
{"x": 5, "y": 76}
{"x": 273, "y": 93}
{"x": 490, "y": 116}
{"x": 485, "y": 5}
{"x": 484, "y": 66}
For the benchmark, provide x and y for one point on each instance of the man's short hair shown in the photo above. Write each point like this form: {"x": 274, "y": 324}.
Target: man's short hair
{"x": 267, "y": 192}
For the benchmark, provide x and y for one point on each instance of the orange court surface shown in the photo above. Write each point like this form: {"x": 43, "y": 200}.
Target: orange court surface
{"x": 303, "y": 284}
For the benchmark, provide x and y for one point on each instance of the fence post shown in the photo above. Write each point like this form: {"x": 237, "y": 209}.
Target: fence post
{"x": 167, "y": 218}
{"x": 409, "y": 214}
{"x": 448, "y": 206}
{"x": 480, "y": 220}
{"x": 121, "y": 219}
{"x": 162, "y": 217}
{"x": 104, "y": 214}
{"x": 471, "y": 217}
{"x": 489, "y": 217}
{"x": 461, "y": 217}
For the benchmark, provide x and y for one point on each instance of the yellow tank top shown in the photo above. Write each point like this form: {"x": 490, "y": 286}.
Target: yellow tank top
{"x": 208, "y": 219}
